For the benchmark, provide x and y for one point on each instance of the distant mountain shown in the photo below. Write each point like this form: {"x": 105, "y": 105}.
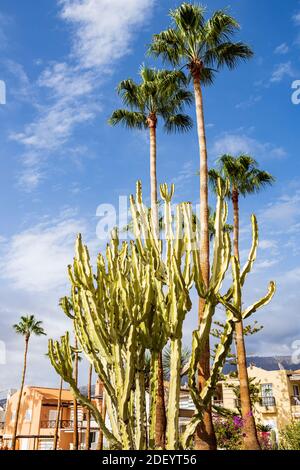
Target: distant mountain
{"x": 84, "y": 390}
{"x": 267, "y": 363}
{"x": 264, "y": 362}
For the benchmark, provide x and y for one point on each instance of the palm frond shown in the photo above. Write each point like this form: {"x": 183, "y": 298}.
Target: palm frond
{"x": 176, "y": 103}
{"x": 168, "y": 45}
{"x": 129, "y": 119}
{"x": 219, "y": 28}
{"x": 207, "y": 76}
{"x": 178, "y": 123}
{"x": 161, "y": 93}
{"x": 189, "y": 17}
{"x": 128, "y": 90}
{"x": 243, "y": 173}
{"x": 29, "y": 325}
{"x": 213, "y": 176}
{"x": 228, "y": 53}
{"x": 196, "y": 43}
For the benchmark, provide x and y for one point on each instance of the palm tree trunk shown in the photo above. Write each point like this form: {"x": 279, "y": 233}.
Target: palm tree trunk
{"x": 250, "y": 439}
{"x": 205, "y": 435}
{"x": 75, "y": 417}
{"x": 153, "y": 173}
{"x": 88, "y": 419}
{"x": 161, "y": 421}
{"x": 55, "y": 440}
{"x": 15, "y": 430}
{"x": 102, "y": 409}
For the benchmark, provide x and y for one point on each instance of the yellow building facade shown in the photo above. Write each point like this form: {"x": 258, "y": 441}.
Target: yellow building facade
{"x": 279, "y": 401}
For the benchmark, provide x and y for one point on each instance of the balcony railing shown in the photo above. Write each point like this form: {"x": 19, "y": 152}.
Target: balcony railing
{"x": 295, "y": 400}
{"x": 63, "y": 424}
{"x": 237, "y": 403}
{"x": 218, "y": 403}
{"x": 267, "y": 401}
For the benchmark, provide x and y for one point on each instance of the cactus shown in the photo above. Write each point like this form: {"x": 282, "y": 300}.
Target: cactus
{"x": 137, "y": 301}
{"x": 232, "y": 301}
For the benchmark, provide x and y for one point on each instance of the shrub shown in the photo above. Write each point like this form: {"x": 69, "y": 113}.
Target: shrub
{"x": 290, "y": 437}
{"x": 229, "y": 432}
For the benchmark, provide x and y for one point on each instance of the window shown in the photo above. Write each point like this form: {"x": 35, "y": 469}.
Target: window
{"x": 266, "y": 390}
{"x": 24, "y": 444}
{"x": 46, "y": 444}
{"x": 267, "y": 398}
{"x": 296, "y": 392}
{"x": 52, "y": 415}
{"x": 28, "y": 416}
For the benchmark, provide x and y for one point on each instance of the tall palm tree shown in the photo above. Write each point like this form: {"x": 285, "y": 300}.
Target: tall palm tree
{"x": 161, "y": 94}
{"x": 203, "y": 47}
{"x": 55, "y": 440}
{"x": 245, "y": 178}
{"x": 88, "y": 419}
{"x": 27, "y": 326}
{"x": 75, "y": 358}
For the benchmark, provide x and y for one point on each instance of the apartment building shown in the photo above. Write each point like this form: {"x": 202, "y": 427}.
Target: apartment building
{"x": 4, "y": 398}
{"x": 37, "y": 420}
{"x": 279, "y": 401}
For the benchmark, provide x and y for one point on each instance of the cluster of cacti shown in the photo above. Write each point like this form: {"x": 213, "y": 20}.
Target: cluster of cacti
{"x": 137, "y": 302}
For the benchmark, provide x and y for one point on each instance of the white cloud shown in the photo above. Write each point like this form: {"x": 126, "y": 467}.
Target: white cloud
{"x": 296, "y": 18}
{"x": 55, "y": 124}
{"x": 5, "y": 21}
{"x": 265, "y": 264}
{"x": 33, "y": 272}
{"x": 282, "y": 49}
{"x": 291, "y": 277}
{"x": 101, "y": 34}
{"x": 281, "y": 71}
{"x": 236, "y": 144}
{"x": 249, "y": 103}
{"x": 36, "y": 259}
{"x": 22, "y": 89}
{"x": 30, "y": 178}
{"x": 103, "y": 29}
{"x": 267, "y": 244}
{"x": 184, "y": 174}
{"x": 285, "y": 210}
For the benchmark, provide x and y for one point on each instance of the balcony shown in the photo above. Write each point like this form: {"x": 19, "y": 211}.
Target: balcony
{"x": 237, "y": 403}
{"x": 268, "y": 402}
{"x": 63, "y": 424}
{"x": 218, "y": 403}
{"x": 295, "y": 404}
{"x": 295, "y": 400}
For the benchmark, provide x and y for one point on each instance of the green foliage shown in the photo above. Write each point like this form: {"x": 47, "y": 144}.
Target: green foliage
{"x": 243, "y": 174}
{"x": 28, "y": 325}
{"x": 254, "y": 390}
{"x": 290, "y": 437}
{"x": 184, "y": 359}
{"x": 217, "y": 331}
{"x": 204, "y": 46}
{"x": 161, "y": 93}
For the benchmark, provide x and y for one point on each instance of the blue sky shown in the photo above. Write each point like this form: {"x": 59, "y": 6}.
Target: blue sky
{"x": 61, "y": 61}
